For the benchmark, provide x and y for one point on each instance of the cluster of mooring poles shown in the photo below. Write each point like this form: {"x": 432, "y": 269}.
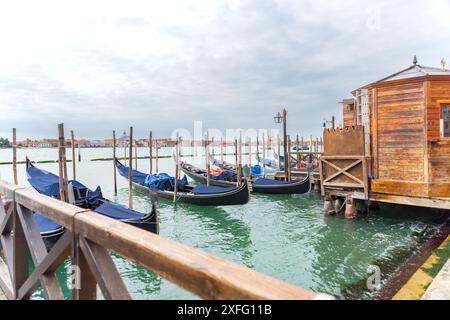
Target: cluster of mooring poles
{"x": 313, "y": 147}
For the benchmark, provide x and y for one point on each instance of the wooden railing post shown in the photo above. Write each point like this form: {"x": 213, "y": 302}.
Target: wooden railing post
{"x": 84, "y": 287}
{"x": 19, "y": 253}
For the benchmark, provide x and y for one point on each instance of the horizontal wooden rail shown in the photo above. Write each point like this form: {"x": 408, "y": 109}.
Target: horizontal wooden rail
{"x": 202, "y": 274}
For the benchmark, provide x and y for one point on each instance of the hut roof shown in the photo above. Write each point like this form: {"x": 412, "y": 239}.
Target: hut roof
{"x": 415, "y": 71}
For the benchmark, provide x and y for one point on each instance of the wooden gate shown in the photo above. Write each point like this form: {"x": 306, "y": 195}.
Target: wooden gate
{"x": 343, "y": 165}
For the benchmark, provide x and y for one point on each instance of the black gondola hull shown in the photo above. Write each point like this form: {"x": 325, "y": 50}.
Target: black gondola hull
{"x": 230, "y": 198}
{"x": 294, "y": 187}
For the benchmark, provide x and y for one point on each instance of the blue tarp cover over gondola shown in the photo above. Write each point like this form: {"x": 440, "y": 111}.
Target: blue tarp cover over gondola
{"x": 161, "y": 181}
{"x": 202, "y": 189}
{"x": 44, "y": 224}
{"x": 48, "y": 183}
{"x": 118, "y": 212}
{"x": 137, "y": 176}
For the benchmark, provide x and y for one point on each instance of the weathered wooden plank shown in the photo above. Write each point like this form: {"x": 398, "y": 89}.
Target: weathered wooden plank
{"x": 198, "y": 272}
{"x": 5, "y": 280}
{"x": 397, "y": 187}
{"x": 85, "y": 287}
{"x": 59, "y": 252}
{"x": 38, "y": 252}
{"x": 104, "y": 271}
{"x": 413, "y": 201}
{"x": 20, "y": 255}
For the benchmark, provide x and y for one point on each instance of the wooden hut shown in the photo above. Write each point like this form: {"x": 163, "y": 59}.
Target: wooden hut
{"x": 398, "y": 130}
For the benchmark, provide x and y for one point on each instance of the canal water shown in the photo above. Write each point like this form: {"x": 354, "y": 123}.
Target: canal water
{"x": 284, "y": 236}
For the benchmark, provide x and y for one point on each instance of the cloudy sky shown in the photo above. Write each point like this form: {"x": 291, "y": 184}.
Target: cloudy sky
{"x": 160, "y": 65}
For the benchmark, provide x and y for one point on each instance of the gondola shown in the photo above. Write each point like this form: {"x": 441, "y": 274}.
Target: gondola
{"x": 269, "y": 163}
{"x": 256, "y": 170}
{"x": 271, "y": 186}
{"x": 48, "y": 183}
{"x": 199, "y": 195}
{"x": 280, "y": 158}
{"x": 259, "y": 185}
{"x": 222, "y": 164}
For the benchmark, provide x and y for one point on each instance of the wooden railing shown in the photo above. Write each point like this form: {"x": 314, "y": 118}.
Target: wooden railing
{"x": 89, "y": 237}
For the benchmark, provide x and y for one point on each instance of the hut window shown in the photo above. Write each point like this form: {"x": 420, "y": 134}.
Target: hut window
{"x": 445, "y": 120}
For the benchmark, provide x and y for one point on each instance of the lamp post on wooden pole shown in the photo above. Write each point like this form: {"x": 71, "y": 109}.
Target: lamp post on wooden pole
{"x": 14, "y": 142}
{"x": 114, "y": 162}
{"x": 285, "y": 144}
{"x": 130, "y": 172}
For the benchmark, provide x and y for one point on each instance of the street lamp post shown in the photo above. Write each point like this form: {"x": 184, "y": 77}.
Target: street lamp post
{"x": 278, "y": 118}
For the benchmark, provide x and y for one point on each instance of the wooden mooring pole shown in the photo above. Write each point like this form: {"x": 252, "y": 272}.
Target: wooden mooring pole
{"x": 72, "y": 146}
{"x": 114, "y": 162}
{"x": 14, "y": 143}
{"x": 250, "y": 153}
{"x": 156, "y": 157}
{"x": 207, "y": 159}
{"x": 287, "y": 161}
{"x": 61, "y": 162}
{"x": 135, "y": 155}
{"x": 150, "y": 150}
{"x": 257, "y": 147}
{"x": 130, "y": 172}
{"x": 264, "y": 154}
{"x": 239, "y": 168}
{"x": 177, "y": 164}
{"x": 79, "y": 152}
{"x": 221, "y": 149}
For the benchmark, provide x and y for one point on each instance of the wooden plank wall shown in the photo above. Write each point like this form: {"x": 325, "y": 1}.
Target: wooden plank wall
{"x": 439, "y": 148}
{"x": 400, "y": 137}
{"x": 401, "y": 132}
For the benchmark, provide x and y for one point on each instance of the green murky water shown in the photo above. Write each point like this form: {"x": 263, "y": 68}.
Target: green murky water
{"x": 284, "y": 236}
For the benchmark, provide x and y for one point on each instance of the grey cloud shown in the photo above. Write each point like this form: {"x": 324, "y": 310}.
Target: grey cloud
{"x": 237, "y": 69}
